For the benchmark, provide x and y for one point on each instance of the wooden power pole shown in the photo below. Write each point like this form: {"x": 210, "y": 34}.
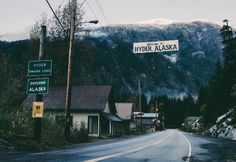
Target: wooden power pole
{"x": 140, "y": 105}
{"x": 69, "y": 71}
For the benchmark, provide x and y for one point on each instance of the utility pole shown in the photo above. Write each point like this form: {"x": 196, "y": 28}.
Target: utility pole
{"x": 156, "y": 114}
{"x": 161, "y": 118}
{"x": 69, "y": 71}
{"x": 39, "y": 97}
{"x": 140, "y": 106}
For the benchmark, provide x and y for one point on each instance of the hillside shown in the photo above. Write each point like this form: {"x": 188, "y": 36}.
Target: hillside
{"x": 105, "y": 57}
{"x": 172, "y": 73}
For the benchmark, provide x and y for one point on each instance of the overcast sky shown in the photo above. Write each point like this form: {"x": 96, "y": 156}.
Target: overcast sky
{"x": 19, "y": 15}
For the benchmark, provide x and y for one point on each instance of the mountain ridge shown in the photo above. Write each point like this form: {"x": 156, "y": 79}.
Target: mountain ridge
{"x": 200, "y": 49}
{"x": 106, "y": 57}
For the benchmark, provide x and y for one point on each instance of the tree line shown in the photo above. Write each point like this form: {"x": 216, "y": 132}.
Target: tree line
{"x": 220, "y": 95}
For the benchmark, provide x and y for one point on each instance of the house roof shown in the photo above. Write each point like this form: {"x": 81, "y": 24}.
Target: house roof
{"x": 124, "y": 110}
{"x": 82, "y": 98}
{"x": 111, "y": 117}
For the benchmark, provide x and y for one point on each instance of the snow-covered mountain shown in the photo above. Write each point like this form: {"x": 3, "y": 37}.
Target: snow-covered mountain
{"x": 171, "y": 73}
{"x": 15, "y": 36}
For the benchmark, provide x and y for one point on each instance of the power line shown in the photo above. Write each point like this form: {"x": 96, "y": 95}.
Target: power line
{"x": 107, "y": 33}
{"x": 82, "y": 4}
{"x": 91, "y": 10}
{"x": 101, "y": 10}
{"x": 55, "y": 15}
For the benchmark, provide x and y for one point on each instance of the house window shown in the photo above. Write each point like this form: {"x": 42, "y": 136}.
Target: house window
{"x": 93, "y": 124}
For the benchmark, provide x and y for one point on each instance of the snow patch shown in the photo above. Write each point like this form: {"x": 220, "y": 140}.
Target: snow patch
{"x": 164, "y": 22}
{"x": 172, "y": 58}
{"x": 199, "y": 54}
{"x": 98, "y": 34}
{"x": 15, "y": 36}
{"x": 157, "y": 22}
{"x": 224, "y": 127}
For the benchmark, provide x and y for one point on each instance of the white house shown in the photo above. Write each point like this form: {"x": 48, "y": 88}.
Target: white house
{"x": 91, "y": 105}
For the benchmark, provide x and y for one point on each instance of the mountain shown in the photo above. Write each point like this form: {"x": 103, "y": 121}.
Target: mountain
{"x": 22, "y": 35}
{"x": 105, "y": 56}
{"x": 172, "y": 73}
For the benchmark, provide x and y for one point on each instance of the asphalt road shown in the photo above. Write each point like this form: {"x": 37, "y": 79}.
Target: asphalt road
{"x": 165, "y": 146}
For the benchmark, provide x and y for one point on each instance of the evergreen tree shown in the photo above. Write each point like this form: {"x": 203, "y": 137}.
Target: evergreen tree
{"x": 220, "y": 96}
{"x": 144, "y": 103}
{"x": 215, "y": 99}
{"x": 229, "y": 75}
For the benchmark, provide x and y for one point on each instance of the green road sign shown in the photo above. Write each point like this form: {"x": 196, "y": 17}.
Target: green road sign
{"x": 40, "y": 68}
{"x": 37, "y": 86}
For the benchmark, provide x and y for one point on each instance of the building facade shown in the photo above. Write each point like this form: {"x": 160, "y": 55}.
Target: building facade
{"x": 92, "y": 107}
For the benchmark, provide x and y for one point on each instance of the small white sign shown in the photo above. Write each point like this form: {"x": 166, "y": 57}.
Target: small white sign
{"x": 160, "y": 46}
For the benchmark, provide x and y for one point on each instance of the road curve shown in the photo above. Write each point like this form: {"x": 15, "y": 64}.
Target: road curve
{"x": 165, "y": 146}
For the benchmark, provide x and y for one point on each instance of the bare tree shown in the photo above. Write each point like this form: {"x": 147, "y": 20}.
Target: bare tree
{"x": 35, "y": 29}
{"x": 55, "y": 31}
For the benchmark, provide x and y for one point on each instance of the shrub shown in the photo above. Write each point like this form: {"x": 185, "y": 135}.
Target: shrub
{"x": 79, "y": 135}
{"x": 52, "y": 134}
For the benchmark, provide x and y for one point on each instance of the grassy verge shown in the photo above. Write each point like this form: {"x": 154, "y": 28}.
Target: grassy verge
{"x": 17, "y": 129}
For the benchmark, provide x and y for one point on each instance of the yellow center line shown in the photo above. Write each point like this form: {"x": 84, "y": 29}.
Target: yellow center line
{"x": 127, "y": 152}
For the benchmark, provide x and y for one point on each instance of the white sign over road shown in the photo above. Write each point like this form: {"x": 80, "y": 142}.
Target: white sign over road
{"x": 160, "y": 46}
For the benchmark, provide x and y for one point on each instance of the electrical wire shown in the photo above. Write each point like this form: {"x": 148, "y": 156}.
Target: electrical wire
{"x": 101, "y": 10}
{"x": 82, "y": 4}
{"x": 56, "y": 16}
{"x": 108, "y": 34}
{"x": 91, "y": 10}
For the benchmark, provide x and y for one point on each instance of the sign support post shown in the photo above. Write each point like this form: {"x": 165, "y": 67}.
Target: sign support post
{"x": 39, "y": 97}
{"x": 140, "y": 106}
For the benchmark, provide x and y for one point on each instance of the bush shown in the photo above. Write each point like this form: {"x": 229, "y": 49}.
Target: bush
{"x": 52, "y": 134}
{"x": 81, "y": 135}
{"x": 15, "y": 123}
{"x": 18, "y": 128}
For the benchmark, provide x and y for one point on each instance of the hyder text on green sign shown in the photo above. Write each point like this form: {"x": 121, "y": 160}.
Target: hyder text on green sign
{"x": 40, "y": 68}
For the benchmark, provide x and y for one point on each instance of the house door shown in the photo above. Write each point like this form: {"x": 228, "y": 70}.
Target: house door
{"x": 105, "y": 127}
{"x": 93, "y": 124}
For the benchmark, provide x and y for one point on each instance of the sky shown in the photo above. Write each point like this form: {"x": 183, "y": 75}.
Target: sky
{"x": 17, "y": 16}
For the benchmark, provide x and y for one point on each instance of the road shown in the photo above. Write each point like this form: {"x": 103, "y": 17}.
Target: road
{"x": 166, "y": 146}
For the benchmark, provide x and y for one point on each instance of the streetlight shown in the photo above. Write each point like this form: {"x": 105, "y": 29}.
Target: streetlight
{"x": 69, "y": 69}
{"x": 90, "y": 22}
